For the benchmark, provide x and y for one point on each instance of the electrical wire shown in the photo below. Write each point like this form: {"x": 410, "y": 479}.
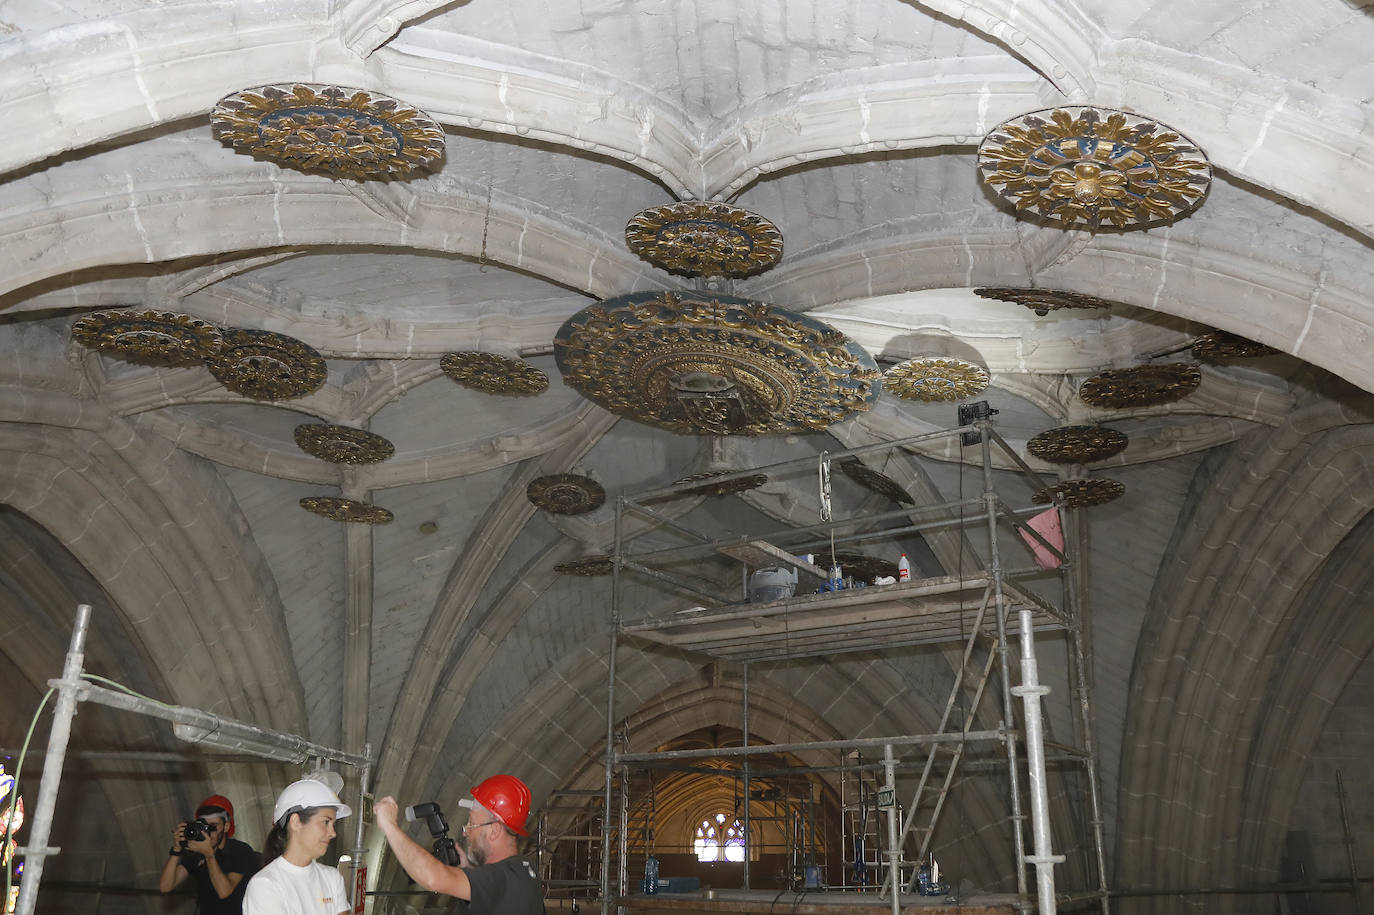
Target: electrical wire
{"x": 14, "y": 789}
{"x": 95, "y": 678}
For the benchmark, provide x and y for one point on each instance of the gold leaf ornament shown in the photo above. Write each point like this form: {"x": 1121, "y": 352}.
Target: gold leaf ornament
{"x": 1141, "y": 386}
{"x": 347, "y": 511}
{"x": 1077, "y": 444}
{"x": 936, "y": 378}
{"x": 267, "y": 366}
{"x": 702, "y": 238}
{"x": 1094, "y": 166}
{"x": 146, "y": 337}
{"x": 329, "y": 130}
{"x": 342, "y": 444}
{"x": 715, "y": 365}
{"x": 1081, "y": 493}
{"x": 492, "y": 373}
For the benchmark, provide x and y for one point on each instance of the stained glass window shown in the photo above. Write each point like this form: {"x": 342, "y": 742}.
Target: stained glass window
{"x": 719, "y": 838}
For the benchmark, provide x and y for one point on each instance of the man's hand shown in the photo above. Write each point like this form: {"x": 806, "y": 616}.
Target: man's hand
{"x": 384, "y": 812}
{"x": 179, "y": 836}
{"x": 205, "y": 847}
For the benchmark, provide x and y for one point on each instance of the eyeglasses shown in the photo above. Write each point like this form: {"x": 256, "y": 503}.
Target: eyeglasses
{"x": 471, "y": 826}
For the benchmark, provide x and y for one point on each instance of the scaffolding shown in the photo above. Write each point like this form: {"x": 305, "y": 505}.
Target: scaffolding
{"x": 919, "y": 612}
{"x": 189, "y": 724}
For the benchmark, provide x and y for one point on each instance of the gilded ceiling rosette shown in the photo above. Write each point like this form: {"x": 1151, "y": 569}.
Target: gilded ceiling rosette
{"x": 1141, "y": 386}
{"x": 700, "y": 363}
{"x": 157, "y": 338}
{"x": 329, "y": 130}
{"x": 1220, "y": 345}
{"x": 1043, "y": 301}
{"x": 701, "y": 238}
{"x": 267, "y": 366}
{"x": 708, "y": 488}
{"x": 349, "y": 511}
{"x": 587, "y": 567}
{"x": 1077, "y": 444}
{"x": 875, "y": 481}
{"x": 342, "y": 444}
{"x": 566, "y": 494}
{"x": 1094, "y": 166}
{"x": 1081, "y": 493}
{"x": 936, "y": 378}
{"x": 492, "y": 373}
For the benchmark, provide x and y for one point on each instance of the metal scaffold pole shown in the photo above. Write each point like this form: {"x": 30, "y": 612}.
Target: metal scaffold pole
{"x": 1030, "y": 692}
{"x": 1003, "y": 654}
{"x": 610, "y": 716}
{"x": 37, "y": 850}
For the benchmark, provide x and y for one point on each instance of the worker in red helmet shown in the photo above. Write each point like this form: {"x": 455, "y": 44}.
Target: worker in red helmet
{"x": 491, "y": 874}
{"x": 203, "y": 849}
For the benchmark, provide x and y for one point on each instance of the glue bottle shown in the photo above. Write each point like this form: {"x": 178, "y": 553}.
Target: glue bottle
{"x": 903, "y": 569}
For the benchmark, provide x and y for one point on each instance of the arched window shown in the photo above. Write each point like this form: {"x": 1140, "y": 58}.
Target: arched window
{"x": 719, "y": 838}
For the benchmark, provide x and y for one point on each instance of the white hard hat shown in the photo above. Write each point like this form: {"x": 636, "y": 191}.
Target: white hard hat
{"x": 304, "y": 794}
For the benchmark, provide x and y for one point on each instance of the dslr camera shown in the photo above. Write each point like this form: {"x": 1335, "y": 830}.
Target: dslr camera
{"x": 196, "y": 831}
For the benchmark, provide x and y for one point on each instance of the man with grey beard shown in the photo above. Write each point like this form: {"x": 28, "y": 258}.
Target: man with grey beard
{"x": 491, "y": 875}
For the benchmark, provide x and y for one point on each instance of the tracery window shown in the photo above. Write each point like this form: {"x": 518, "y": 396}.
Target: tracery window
{"x": 719, "y": 838}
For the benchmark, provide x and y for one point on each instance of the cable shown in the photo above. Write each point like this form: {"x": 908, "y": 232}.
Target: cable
{"x": 14, "y": 789}
{"x": 124, "y": 689}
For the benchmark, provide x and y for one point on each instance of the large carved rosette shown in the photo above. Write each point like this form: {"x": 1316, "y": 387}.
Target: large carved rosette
{"x": 1094, "y": 166}
{"x": 329, "y": 130}
{"x": 714, "y": 365}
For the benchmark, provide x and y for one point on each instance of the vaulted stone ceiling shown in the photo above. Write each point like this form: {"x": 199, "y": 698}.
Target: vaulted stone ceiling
{"x": 1228, "y": 588}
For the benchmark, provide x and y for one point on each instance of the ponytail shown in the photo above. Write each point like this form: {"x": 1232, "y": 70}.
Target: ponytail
{"x": 277, "y": 838}
{"x": 275, "y": 844}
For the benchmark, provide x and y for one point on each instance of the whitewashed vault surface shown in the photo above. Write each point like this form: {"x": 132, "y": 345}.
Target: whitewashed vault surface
{"x": 1228, "y": 589}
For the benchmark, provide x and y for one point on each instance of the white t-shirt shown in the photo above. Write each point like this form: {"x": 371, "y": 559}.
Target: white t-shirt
{"x": 283, "y": 888}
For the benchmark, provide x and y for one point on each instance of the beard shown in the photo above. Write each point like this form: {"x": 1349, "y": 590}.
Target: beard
{"x": 477, "y": 854}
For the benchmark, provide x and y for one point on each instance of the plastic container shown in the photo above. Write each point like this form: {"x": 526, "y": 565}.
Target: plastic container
{"x": 903, "y": 569}
{"x": 772, "y": 584}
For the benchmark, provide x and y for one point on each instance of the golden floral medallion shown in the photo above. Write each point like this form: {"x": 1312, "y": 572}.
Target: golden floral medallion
{"x": 267, "y": 366}
{"x": 1077, "y": 444}
{"x": 588, "y": 567}
{"x": 329, "y": 130}
{"x": 700, "y": 238}
{"x": 1094, "y": 166}
{"x": 873, "y": 480}
{"x": 1141, "y": 385}
{"x": 158, "y": 338}
{"x": 723, "y": 488}
{"x": 1043, "y": 301}
{"x": 349, "y": 511}
{"x": 342, "y": 444}
{"x": 936, "y": 378}
{"x": 1082, "y": 492}
{"x": 714, "y": 365}
{"x": 1220, "y": 345}
{"x": 566, "y": 494}
{"x": 492, "y": 373}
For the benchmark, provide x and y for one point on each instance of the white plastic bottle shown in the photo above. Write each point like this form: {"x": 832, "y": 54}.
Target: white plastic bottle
{"x": 903, "y": 569}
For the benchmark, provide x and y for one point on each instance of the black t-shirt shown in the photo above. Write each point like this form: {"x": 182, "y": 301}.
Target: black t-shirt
{"x": 509, "y": 887}
{"x": 234, "y": 858}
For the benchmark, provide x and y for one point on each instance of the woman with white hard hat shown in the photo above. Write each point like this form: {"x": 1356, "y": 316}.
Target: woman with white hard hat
{"x": 292, "y": 881}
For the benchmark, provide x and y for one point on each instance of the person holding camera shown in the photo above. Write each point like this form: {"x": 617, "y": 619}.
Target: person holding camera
{"x": 491, "y": 875}
{"x": 205, "y": 850}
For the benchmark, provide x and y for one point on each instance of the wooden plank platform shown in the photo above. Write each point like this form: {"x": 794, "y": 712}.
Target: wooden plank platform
{"x": 770, "y": 902}
{"x": 877, "y": 617}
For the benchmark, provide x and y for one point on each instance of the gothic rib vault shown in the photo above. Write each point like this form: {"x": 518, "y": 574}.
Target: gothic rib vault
{"x": 1227, "y": 587}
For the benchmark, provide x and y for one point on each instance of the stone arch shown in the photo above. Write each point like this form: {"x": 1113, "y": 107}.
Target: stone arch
{"x": 1208, "y": 660}
{"x": 206, "y": 613}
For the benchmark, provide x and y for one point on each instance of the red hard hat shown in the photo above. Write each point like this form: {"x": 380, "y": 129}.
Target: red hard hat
{"x": 507, "y": 798}
{"x": 222, "y": 802}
